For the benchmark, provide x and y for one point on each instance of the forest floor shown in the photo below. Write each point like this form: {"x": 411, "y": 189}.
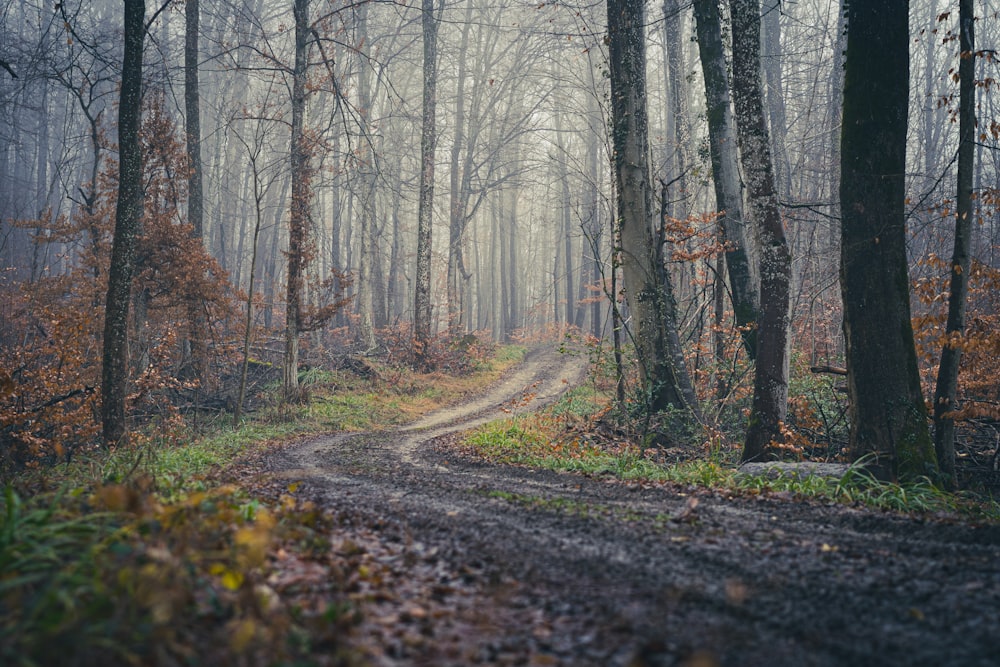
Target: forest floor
{"x": 463, "y": 562}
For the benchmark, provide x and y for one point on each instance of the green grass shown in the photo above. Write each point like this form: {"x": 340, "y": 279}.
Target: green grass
{"x": 541, "y": 440}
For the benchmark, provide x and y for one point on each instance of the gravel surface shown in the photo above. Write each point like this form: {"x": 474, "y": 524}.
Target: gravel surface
{"x": 483, "y": 564}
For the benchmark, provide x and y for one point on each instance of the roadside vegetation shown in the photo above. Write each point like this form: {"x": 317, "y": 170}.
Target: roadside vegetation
{"x": 136, "y": 555}
{"x": 584, "y": 432}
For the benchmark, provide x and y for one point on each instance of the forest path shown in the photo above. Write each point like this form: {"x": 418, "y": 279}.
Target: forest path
{"x": 492, "y": 564}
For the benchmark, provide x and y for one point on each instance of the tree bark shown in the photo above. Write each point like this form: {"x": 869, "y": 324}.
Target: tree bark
{"x": 946, "y": 390}
{"x": 678, "y": 109}
{"x": 196, "y": 200}
{"x": 663, "y": 374}
{"x": 192, "y": 118}
{"x": 428, "y": 145}
{"x": 459, "y": 185}
{"x": 743, "y": 278}
{"x": 770, "y": 60}
{"x": 128, "y": 216}
{"x": 367, "y": 233}
{"x": 888, "y": 419}
{"x": 299, "y": 209}
{"x": 770, "y": 391}
{"x": 566, "y": 214}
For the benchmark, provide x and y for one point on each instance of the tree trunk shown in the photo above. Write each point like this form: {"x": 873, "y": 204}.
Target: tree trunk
{"x": 566, "y": 215}
{"x": 196, "y": 206}
{"x": 770, "y": 391}
{"x": 888, "y": 419}
{"x": 946, "y": 391}
{"x": 128, "y": 215}
{"x": 663, "y": 374}
{"x": 395, "y": 292}
{"x": 595, "y": 224}
{"x": 678, "y": 109}
{"x": 367, "y": 236}
{"x": 258, "y": 198}
{"x": 515, "y": 301}
{"x": 770, "y": 60}
{"x": 298, "y": 218}
{"x": 428, "y": 144}
{"x": 457, "y": 207}
{"x": 193, "y": 118}
{"x": 725, "y": 173}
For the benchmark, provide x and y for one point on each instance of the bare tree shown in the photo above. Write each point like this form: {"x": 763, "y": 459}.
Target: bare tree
{"x": 128, "y": 216}
{"x": 946, "y": 389}
{"x": 743, "y": 278}
{"x": 299, "y": 214}
{"x": 196, "y": 199}
{"x": 770, "y": 389}
{"x": 428, "y": 144}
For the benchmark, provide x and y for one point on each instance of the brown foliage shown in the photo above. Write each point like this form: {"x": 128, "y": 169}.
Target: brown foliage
{"x": 50, "y": 335}
{"x": 979, "y": 386}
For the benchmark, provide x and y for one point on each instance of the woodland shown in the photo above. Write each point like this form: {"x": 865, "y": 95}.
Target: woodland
{"x": 249, "y": 249}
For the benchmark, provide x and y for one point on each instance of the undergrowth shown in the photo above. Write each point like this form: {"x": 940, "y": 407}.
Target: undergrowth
{"x": 550, "y": 439}
{"x": 142, "y": 555}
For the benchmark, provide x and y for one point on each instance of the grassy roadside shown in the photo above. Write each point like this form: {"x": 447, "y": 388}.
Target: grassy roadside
{"x": 143, "y": 556}
{"x": 562, "y": 438}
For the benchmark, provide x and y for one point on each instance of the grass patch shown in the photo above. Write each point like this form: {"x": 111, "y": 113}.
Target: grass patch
{"x": 557, "y": 504}
{"x": 859, "y": 487}
{"x": 547, "y": 439}
{"x": 114, "y": 577}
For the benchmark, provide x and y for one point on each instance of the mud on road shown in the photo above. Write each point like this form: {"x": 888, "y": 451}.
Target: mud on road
{"x": 493, "y": 564}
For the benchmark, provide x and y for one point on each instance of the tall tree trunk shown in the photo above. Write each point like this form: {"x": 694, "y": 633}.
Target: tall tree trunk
{"x": 663, "y": 374}
{"x": 743, "y": 278}
{"x": 567, "y": 224}
{"x": 395, "y": 291}
{"x": 428, "y": 145}
{"x": 192, "y": 116}
{"x": 770, "y": 389}
{"x": 298, "y": 218}
{"x": 770, "y": 60}
{"x": 271, "y": 269}
{"x": 595, "y": 218}
{"x": 836, "y": 119}
{"x": 41, "y": 188}
{"x": 128, "y": 216}
{"x": 946, "y": 391}
{"x": 514, "y": 279}
{"x": 678, "y": 109}
{"x": 367, "y": 233}
{"x": 888, "y": 418}
{"x": 457, "y": 207}
{"x": 196, "y": 204}
{"x": 258, "y": 197}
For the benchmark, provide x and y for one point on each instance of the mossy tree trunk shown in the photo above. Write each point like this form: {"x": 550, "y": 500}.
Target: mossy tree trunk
{"x": 663, "y": 374}
{"x": 770, "y": 387}
{"x": 743, "y": 279}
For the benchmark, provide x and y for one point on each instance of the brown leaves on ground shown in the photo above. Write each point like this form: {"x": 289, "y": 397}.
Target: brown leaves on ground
{"x": 401, "y": 601}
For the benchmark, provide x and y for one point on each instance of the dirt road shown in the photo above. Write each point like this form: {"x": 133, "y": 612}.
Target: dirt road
{"x": 504, "y": 565}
